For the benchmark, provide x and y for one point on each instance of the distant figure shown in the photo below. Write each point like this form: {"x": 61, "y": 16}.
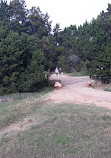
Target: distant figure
{"x": 60, "y": 70}
{"x": 48, "y": 73}
{"x": 56, "y": 71}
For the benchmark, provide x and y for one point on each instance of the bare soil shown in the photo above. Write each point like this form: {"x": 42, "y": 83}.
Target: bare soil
{"x": 76, "y": 89}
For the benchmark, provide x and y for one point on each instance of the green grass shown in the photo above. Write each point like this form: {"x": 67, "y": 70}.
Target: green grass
{"x": 16, "y": 110}
{"x": 107, "y": 89}
{"x": 78, "y": 74}
{"x": 59, "y": 139}
{"x": 56, "y": 131}
{"x": 21, "y": 96}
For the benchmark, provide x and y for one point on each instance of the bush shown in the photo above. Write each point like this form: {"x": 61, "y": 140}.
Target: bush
{"x": 22, "y": 64}
{"x": 101, "y": 67}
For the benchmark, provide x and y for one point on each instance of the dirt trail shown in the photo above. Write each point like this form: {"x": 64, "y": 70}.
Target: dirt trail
{"x": 76, "y": 89}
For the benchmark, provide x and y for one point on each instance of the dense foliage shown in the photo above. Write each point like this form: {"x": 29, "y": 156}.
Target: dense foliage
{"x": 28, "y": 47}
{"x": 22, "y": 63}
{"x": 89, "y": 47}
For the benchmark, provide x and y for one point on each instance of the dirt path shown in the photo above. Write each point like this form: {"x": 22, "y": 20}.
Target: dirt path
{"x": 76, "y": 89}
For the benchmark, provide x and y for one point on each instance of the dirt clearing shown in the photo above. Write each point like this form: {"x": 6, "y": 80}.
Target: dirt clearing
{"x": 76, "y": 89}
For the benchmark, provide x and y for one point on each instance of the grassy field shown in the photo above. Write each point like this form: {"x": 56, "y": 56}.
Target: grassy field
{"x": 48, "y": 130}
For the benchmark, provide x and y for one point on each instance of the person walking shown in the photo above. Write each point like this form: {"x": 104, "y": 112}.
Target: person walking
{"x": 56, "y": 71}
{"x": 48, "y": 74}
{"x": 60, "y": 70}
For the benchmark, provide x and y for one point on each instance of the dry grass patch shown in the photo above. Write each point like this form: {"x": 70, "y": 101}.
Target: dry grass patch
{"x": 58, "y": 130}
{"x": 19, "y": 106}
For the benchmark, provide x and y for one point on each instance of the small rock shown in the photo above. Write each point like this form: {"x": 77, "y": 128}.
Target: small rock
{"x": 57, "y": 84}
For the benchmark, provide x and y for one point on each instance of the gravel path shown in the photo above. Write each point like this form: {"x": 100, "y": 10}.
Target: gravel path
{"x": 76, "y": 89}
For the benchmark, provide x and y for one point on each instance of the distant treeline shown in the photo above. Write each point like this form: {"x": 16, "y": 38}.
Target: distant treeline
{"x": 29, "y": 47}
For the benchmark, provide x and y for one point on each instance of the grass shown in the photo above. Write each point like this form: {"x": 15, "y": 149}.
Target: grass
{"x": 56, "y": 131}
{"x": 107, "y": 89}
{"x": 78, "y": 74}
{"x": 19, "y": 107}
{"x": 21, "y": 96}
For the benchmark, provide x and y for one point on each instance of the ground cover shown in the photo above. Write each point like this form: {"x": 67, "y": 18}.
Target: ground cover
{"x": 44, "y": 125}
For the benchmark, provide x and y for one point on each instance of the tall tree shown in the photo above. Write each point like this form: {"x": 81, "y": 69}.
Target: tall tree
{"x": 38, "y": 22}
{"x": 4, "y": 12}
{"x": 22, "y": 63}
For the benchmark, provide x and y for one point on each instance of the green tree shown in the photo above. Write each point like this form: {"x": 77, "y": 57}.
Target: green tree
{"x": 39, "y": 24}
{"x": 22, "y": 64}
{"x": 4, "y": 12}
{"x": 63, "y": 62}
{"x": 101, "y": 66}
